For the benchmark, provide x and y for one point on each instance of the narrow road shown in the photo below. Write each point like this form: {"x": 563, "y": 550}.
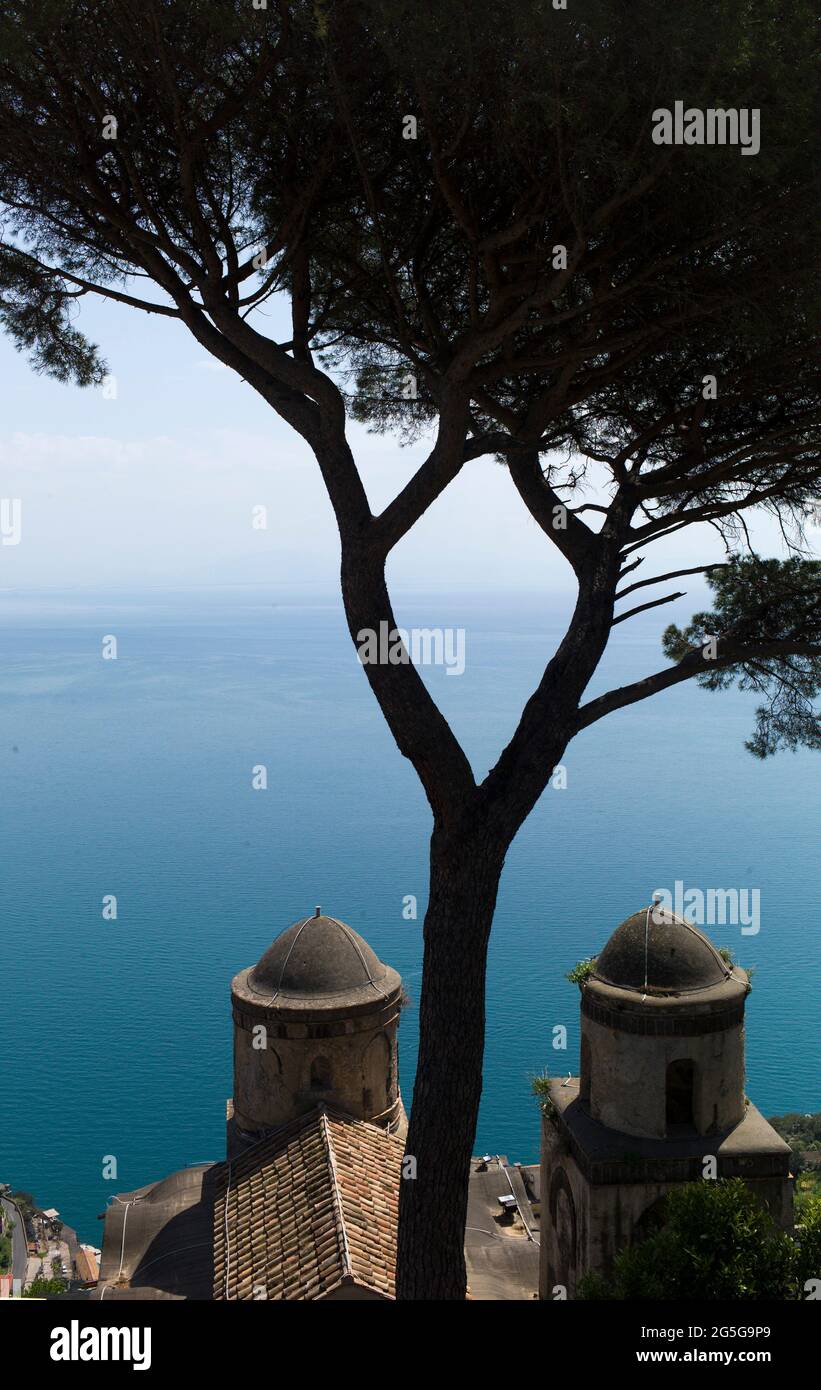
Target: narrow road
{"x": 18, "y": 1246}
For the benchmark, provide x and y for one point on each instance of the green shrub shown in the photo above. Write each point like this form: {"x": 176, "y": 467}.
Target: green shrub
{"x": 716, "y": 1242}
{"x": 41, "y": 1288}
{"x": 808, "y": 1241}
{"x": 581, "y": 970}
{"x": 540, "y": 1086}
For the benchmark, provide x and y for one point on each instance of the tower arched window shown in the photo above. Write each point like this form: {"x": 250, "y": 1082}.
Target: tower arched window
{"x": 680, "y": 1093}
{"x": 585, "y": 1070}
{"x": 321, "y": 1074}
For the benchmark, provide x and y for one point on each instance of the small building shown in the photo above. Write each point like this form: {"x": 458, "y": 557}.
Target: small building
{"x": 315, "y": 1021}
{"x": 85, "y": 1264}
{"x": 659, "y": 1099}
{"x": 306, "y": 1204}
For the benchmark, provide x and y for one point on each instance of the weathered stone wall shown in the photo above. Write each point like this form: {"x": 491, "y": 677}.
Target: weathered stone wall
{"x": 563, "y": 1219}
{"x": 584, "y": 1224}
{"x": 349, "y": 1063}
{"x": 628, "y": 1071}
{"x": 583, "y": 1227}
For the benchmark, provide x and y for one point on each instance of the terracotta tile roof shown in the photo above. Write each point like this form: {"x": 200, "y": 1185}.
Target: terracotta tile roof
{"x": 86, "y": 1265}
{"x": 308, "y": 1209}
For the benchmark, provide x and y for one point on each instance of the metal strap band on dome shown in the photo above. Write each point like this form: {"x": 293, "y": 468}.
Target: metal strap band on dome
{"x": 128, "y": 1205}
{"x": 349, "y": 936}
{"x": 625, "y": 975}
{"x": 681, "y": 921}
{"x": 370, "y": 980}
{"x": 646, "y": 949}
{"x": 278, "y": 989}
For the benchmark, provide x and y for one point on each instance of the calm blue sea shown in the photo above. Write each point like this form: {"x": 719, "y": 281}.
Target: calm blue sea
{"x": 133, "y": 777}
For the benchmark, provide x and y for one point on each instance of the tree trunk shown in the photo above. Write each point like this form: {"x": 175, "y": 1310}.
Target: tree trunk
{"x": 464, "y": 879}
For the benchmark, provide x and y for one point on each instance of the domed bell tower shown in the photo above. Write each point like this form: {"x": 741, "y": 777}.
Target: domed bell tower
{"x": 659, "y": 1099}
{"x": 315, "y": 1020}
{"x": 662, "y": 1031}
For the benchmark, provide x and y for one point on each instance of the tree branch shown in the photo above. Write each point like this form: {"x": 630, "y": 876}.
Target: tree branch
{"x": 442, "y": 465}
{"x": 89, "y": 287}
{"x": 572, "y": 537}
{"x": 642, "y": 607}
{"x": 660, "y": 578}
{"x": 693, "y": 664}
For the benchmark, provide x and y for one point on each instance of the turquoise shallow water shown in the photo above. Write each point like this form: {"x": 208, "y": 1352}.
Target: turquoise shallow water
{"x": 133, "y": 777}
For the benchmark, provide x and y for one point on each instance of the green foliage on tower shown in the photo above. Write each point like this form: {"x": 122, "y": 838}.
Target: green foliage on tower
{"x": 716, "y": 1242}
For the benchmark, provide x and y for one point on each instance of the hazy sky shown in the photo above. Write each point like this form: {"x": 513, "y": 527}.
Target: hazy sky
{"x": 156, "y": 488}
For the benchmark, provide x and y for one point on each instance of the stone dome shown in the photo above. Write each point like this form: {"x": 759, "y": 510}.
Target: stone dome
{"x": 655, "y": 952}
{"x": 315, "y": 1023}
{"x": 320, "y": 960}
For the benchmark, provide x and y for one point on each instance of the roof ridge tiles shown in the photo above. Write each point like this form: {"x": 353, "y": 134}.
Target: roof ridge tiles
{"x": 337, "y": 1196}
{"x": 310, "y": 1205}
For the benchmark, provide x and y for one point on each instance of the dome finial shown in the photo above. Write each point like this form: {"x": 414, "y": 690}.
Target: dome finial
{"x": 317, "y": 911}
